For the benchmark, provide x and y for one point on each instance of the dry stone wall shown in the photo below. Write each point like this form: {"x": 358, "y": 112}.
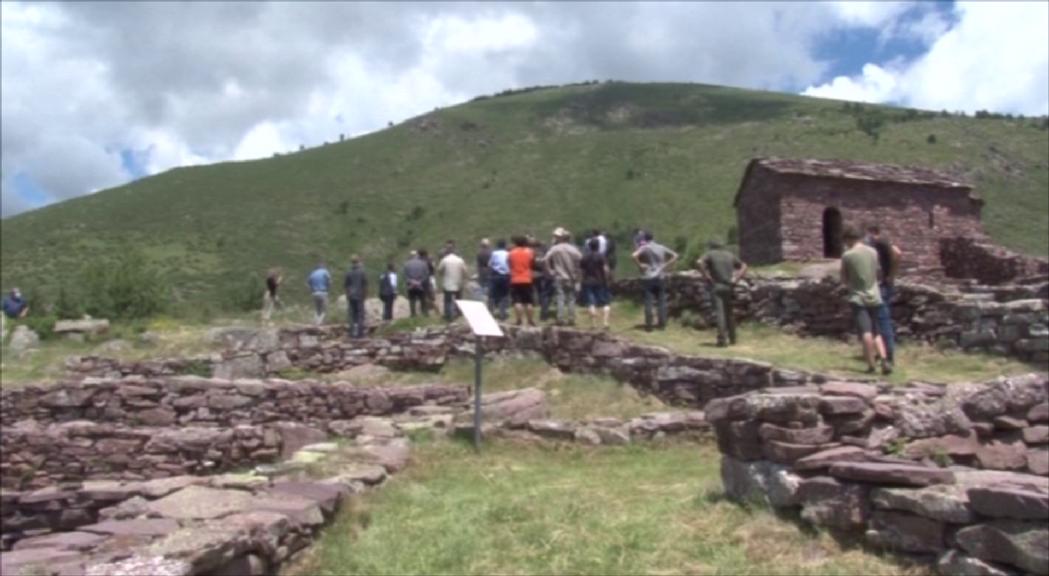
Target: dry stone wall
{"x": 964, "y": 257}
{"x": 1011, "y": 320}
{"x": 677, "y": 379}
{"x": 958, "y": 473}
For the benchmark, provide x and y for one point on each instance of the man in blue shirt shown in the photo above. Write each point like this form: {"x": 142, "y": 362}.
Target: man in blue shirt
{"x": 319, "y": 282}
{"x": 499, "y": 280}
{"x": 15, "y": 306}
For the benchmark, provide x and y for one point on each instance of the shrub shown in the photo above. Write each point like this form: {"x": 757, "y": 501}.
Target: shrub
{"x": 128, "y": 288}
{"x": 245, "y": 294}
{"x": 42, "y": 324}
{"x": 931, "y": 139}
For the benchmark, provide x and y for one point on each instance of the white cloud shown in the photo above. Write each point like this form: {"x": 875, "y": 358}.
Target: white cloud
{"x": 875, "y": 84}
{"x": 181, "y": 84}
{"x": 996, "y": 57}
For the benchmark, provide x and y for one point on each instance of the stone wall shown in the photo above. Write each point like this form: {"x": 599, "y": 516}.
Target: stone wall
{"x": 36, "y": 455}
{"x": 958, "y": 473}
{"x": 987, "y": 263}
{"x": 1011, "y": 320}
{"x": 192, "y": 400}
{"x": 677, "y": 379}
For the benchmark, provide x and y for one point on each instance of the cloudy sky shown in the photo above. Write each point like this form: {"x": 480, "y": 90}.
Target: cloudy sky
{"x": 95, "y": 95}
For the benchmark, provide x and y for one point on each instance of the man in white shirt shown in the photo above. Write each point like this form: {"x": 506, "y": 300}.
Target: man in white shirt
{"x": 452, "y": 274}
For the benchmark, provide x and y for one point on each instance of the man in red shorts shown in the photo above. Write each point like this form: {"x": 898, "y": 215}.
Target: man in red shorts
{"x": 522, "y": 260}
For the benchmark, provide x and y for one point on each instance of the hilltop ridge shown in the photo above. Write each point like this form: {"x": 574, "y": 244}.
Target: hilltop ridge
{"x": 615, "y": 155}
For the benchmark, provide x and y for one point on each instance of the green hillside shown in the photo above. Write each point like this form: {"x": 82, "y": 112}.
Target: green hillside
{"x": 664, "y": 156}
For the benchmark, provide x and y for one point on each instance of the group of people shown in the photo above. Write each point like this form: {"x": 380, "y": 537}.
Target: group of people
{"x": 869, "y": 268}
{"x": 525, "y": 273}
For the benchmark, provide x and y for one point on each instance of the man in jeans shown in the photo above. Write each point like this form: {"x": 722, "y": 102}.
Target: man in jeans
{"x": 859, "y": 274}
{"x": 889, "y": 263}
{"x": 499, "y": 290}
{"x": 452, "y": 272}
{"x": 722, "y": 269}
{"x": 319, "y": 283}
{"x": 356, "y": 284}
{"x": 654, "y": 259}
{"x": 562, "y": 263}
{"x": 416, "y": 281}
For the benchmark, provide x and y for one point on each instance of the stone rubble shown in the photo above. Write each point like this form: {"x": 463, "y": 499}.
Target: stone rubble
{"x": 917, "y": 491}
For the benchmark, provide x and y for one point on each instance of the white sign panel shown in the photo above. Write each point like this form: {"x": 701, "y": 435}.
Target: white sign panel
{"x": 479, "y": 318}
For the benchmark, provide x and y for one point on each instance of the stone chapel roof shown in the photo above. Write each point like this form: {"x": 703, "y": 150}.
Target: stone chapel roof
{"x": 851, "y": 170}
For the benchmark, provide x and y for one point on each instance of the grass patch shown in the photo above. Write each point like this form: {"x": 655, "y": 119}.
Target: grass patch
{"x": 524, "y": 509}
{"x": 771, "y": 344}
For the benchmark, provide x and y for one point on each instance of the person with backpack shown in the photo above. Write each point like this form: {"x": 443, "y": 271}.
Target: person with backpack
{"x": 417, "y": 281}
{"x": 388, "y": 291}
{"x": 356, "y": 285}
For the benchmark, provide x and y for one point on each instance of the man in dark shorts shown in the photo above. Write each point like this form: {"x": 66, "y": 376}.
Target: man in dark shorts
{"x": 595, "y": 273}
{"x": 859, "y": 274}
{"x": 722, "y": 269}
{"x": 522, "y": 263}
{"x": 889, "y": 263}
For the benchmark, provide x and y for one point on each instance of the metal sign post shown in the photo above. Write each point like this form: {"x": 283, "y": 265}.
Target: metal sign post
{"x": 481, "y": 324}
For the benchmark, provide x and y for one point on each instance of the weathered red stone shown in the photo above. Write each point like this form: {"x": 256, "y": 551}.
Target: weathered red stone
{"x": 892, "y": 474}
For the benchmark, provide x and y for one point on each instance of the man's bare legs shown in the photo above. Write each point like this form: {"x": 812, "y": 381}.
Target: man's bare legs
{"x": 874, "y": 349}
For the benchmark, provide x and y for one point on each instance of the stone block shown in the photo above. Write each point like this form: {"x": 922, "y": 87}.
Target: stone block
{"x": 1021, "y": 544}
{"x": 814, "y": 435}
{"x": 827, "y": 502}
{"x": 942, "y": 502}
{"x": 891, "y": 473}
{"x": 1036, "y": 434}
{"x": 1010, "y": 502}
{"x": 955, "y": 563}
{"x": 905, "y": 532}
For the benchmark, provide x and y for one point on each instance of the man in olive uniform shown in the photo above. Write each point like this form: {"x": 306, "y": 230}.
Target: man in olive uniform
{"x": 722, "y": 269}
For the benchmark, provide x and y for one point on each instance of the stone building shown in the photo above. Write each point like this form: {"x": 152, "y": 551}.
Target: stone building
{"x": 790, "y": 209}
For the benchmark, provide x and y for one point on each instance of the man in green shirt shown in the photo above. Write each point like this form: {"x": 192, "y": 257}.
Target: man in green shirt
{"x": 722, "y": 269}
{"x": 859, "y": 274}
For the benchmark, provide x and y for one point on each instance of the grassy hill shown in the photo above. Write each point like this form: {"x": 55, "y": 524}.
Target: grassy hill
{"x": 664, "y": 156}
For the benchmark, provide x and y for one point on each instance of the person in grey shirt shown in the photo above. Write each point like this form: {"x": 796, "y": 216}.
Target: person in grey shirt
{"x": 417, "y": 281}
{"x": 356, "y": 285}
{"x": 562, "y": 262}
{"x": 654, "y": 259}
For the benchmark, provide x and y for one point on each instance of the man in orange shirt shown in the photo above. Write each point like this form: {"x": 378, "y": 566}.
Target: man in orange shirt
{"x": 522, "y": 259}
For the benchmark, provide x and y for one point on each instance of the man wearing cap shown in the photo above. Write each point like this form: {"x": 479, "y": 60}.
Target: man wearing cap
{"x": 722, "y": 269}
{"x": 562, "y": 262}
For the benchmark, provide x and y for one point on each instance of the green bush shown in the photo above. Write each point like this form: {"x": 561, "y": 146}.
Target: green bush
{"x": 245, "y": 294}
{"x": 42, "y": 324}
{"x": 125, "y": 289}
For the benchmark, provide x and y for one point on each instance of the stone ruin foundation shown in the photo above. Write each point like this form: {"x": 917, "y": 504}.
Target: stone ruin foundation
{"x": 957, "y": 475}
{"x": 134, "y": 467}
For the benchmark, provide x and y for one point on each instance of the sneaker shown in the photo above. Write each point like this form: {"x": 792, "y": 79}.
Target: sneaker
{"x": 886, "y": 368}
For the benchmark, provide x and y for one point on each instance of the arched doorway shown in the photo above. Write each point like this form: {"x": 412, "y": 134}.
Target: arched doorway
{"x": 832, "y": 233}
